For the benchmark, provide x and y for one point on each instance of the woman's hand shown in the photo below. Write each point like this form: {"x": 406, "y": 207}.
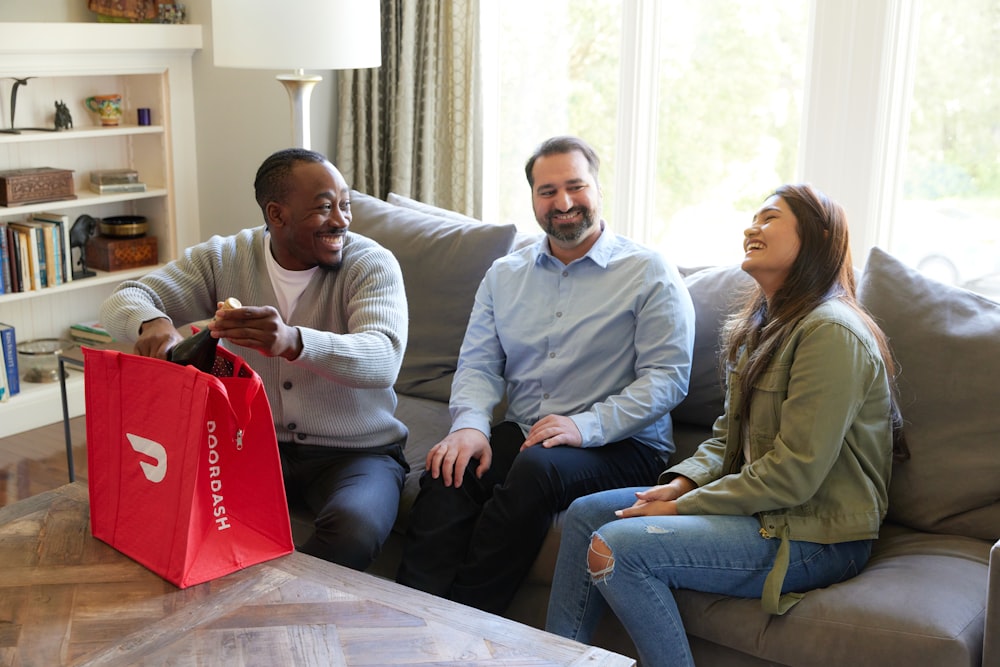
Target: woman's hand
{"x": 658, "y": 500}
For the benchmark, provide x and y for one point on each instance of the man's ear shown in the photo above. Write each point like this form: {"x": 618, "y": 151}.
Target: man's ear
{"x": 274, "y": 212}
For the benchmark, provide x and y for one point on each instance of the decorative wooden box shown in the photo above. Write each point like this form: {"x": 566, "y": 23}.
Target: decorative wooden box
{"x": 36, "y": 184}
{"x": 111, "y": 254}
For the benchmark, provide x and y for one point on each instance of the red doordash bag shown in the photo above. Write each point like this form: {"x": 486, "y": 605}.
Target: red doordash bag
{"x": 183, "y": 466}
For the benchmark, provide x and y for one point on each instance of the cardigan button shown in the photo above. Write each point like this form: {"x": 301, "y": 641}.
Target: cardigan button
{"x": 291, "y": 427}
{"x": 287, "y": 385}
{"x": 301, "y": 436}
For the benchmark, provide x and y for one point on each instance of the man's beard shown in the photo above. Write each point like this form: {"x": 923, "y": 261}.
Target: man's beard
{"x": 574, "y": 233}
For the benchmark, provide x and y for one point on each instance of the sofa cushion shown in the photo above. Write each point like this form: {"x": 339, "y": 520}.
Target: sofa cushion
{"x": 443, "y": 262}
{"x": 919, "y": 601}
{"x": 716, "y": 292}
{"x": 430, "y": 209}
{"x": 946, "y": 341}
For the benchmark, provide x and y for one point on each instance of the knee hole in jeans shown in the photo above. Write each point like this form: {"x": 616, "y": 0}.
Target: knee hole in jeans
{"x": 600, "y": 560}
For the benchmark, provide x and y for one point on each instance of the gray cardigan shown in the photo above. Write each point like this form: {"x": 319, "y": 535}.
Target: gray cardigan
{"x": 353, "y": 323}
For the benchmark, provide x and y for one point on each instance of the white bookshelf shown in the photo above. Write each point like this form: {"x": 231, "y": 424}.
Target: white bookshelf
{"x": 150, "y": 66}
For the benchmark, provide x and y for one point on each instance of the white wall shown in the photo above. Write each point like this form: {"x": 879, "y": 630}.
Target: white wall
{"x": 241, "y": 117}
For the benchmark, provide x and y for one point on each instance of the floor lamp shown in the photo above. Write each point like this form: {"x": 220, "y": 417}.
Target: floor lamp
{"x": 297, "y": 35}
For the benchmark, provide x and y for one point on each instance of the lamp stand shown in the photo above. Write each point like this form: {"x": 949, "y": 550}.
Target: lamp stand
{"x": 299, "y": 86}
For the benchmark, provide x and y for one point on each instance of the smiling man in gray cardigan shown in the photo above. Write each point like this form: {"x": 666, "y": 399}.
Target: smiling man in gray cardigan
{"x": 324, "y": 323}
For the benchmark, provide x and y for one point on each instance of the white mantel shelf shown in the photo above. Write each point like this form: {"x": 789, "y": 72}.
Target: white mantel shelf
{"x": 68, "y": 38}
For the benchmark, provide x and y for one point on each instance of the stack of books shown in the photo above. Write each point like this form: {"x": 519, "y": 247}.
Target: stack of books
{"x": 116, "y": 180}
{"x": 90, "y": 332}
{"x": 35, "y": 253}
{"x": 10, "y": 383}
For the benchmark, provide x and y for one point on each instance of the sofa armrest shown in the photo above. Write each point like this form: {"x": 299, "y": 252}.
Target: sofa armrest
{"x": 991, "y": 631}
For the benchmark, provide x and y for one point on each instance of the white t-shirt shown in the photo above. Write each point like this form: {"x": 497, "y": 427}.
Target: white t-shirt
{"x": 288, "y": 285}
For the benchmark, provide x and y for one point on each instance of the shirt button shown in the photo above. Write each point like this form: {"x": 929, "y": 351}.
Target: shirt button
{"x": 291, "y": 427}
{"x": 552, "y": 355}
{"x": 301, "y": 436}
{"x": 287, "y": 385}
{"x": 545, "y": 396}
{"x": 559, "y": 314}
{"x": 565, "y": 274}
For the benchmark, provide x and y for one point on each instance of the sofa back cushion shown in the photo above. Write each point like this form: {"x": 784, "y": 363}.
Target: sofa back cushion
{"x": 946, "y": 341}
{"x": 716, "y": 292}
{"x": 443, "y": 261}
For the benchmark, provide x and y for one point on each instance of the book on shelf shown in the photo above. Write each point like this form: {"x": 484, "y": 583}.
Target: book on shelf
{"x": 90, "y": 332}
{"x": 63, "y": 225}
{"x": 14, "y": 255}
{"x": 113, "y": 176}
{"x": 111, "y": 188}
{"x": 33, "y": 262}
{"x": 12, "y": 269}
{"x": 53, "y": 274}
{"x": 8, "y": 341}
{"x": 5, "y": 281}
{"x": 4, "y": 390}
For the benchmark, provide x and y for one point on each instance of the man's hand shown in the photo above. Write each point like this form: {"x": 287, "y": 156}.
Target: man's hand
{"x": 258, "y": 327}
{"x": 551, "y": 431}
{"x": 451, "y": 456}
{"x": 659, "y": 500}
{"x": 156, "y": 337}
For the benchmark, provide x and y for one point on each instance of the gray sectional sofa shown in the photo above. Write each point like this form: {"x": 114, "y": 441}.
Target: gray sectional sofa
{"x": 931, "y": 592}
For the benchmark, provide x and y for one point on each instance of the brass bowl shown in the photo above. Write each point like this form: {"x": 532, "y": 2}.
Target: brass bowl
{"x": 123, "y": 226}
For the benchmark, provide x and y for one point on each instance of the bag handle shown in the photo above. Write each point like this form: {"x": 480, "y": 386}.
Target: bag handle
{"x": 248, "y": 387}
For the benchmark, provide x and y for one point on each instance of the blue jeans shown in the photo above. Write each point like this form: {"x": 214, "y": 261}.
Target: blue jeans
{"x": 354, "y": 496}
{"x": 653, "y": 555}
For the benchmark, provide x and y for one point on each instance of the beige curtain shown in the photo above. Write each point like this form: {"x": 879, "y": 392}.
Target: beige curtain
{"x": 414, "y": 125}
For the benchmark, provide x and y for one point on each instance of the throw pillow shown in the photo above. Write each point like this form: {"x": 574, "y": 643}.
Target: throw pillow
{"x": 946, "y": 341}
{"x": 716, "y": 291}
{"x": 443, "y": 261}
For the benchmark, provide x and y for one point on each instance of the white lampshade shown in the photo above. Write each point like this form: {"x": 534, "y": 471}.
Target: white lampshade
{"x": 296, "y": 34}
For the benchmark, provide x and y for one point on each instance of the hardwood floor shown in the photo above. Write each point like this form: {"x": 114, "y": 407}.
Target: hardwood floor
{"x": 35, "y": 461}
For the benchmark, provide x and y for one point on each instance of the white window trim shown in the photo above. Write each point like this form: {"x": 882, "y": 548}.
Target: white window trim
{"x": 638, "y": 101}
{"x": 855, "y": 117}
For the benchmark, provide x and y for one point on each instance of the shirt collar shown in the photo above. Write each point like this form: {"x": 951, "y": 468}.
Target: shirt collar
{"x": 600, "y": 253}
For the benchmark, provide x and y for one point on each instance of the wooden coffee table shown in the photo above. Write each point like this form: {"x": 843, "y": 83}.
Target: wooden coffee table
{"x": 67, "y": 598}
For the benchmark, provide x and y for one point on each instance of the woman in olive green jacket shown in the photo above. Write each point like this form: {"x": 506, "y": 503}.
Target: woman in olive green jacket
{"x": 793, "y": 485}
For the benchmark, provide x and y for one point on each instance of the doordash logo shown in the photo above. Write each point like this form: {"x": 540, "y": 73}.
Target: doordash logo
{"x": 154, "y": 472}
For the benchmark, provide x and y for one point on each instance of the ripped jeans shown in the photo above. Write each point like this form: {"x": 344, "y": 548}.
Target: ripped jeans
{"x": 653, "y": 555}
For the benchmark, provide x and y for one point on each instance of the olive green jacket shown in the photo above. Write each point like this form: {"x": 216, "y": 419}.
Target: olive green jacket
{"x": 820, "y": 439}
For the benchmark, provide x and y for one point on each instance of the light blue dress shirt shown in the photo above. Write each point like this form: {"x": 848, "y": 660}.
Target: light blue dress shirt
{"x": 606, "y": 340}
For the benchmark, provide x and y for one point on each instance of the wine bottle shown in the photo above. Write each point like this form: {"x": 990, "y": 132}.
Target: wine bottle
{"x": 199, "y": 350}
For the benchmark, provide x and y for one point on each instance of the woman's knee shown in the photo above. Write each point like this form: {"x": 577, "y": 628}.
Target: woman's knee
{"x": 600, "y": 559}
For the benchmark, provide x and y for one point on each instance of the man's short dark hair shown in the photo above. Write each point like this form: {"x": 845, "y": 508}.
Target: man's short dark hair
{"x": 559, "y": 146}
{"x": 271, "y": 182}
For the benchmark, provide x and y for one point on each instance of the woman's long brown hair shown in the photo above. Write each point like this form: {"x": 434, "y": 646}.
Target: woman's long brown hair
{"x": 823, "y": 270}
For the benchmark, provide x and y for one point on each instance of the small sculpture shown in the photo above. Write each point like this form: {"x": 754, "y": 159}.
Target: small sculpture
{"x": 18, "y": 82}
{"x": 63, "y": 120}
{"x": 79, "y": 234}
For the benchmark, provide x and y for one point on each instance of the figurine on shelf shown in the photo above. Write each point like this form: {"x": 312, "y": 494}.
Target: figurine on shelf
{"x": 64, "y": 120}
{"x": 13, "y": 129}
{"x": 79, "y": 234}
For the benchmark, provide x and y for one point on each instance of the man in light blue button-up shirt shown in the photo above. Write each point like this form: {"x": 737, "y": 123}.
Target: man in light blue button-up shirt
{"x": 589, "y": 337}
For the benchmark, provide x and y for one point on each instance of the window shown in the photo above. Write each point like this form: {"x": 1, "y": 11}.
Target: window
{"x": 947, "y": 222}
{"x": 554, "y": 71}
{"x": 700, "y": 108}
{"x": 731, "y": 82}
